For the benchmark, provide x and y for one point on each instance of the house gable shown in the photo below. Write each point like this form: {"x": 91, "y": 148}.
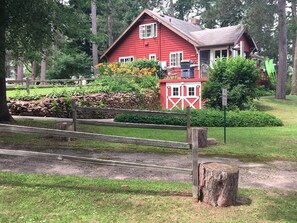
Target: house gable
{"x": 176, "y": 40}
{"x": 162, "y": 46}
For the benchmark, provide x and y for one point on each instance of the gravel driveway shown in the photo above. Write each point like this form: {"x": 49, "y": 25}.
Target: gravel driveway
{"x": 277, "y": 174}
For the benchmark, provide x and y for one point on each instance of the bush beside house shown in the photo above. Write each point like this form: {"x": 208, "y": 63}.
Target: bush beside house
{"x": 239, "y": 76}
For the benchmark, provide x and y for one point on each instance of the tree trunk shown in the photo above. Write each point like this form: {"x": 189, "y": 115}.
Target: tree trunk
{"x": 94, "y": 32}
{"x": 282, "y": 49}
{"x": 20, "y": 70}
{"x": 7, "y": 67}
{"x": 43, "y": 67}
{"x": 109, "y": 24}
{"x": 34, "y": 69}
{"x": 218, "y": 184}
{"x": 171, "y": 8}
{"x": 4, "y": 113}
{"x": 294, "y": 74}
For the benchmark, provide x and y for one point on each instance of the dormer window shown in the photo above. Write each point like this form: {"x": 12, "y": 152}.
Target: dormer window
{"x": 148, "y": 31}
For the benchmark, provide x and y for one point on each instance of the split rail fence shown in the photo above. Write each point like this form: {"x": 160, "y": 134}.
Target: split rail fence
{"x": 28, "y": 83}
{"x": 197, "y": 137}
{"x": 76, "y": 109}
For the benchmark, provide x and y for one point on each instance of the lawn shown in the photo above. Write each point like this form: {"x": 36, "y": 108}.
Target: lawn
{"x": 45, "y": 198}
{"x": 38, "y": 91}
{"x": 246, "y": 144}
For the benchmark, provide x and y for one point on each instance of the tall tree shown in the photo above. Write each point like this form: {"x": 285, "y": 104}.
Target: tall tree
{"x": 94, "y": 31}
{"x": 282, "y": 62}
{"x": 4, "y": 113}
{"x": 294, "y": 74}
{"x": 23, "y": 25}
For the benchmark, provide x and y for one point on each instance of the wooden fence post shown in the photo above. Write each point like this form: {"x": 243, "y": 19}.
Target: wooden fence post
{"x": 28, "y": 85}
{"x": 198, "y": 140}
{"x": 74, "y": 114}
{"x": 80, "y": 81}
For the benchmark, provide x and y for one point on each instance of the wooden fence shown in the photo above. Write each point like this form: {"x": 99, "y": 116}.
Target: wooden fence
{"x": 198, "y": 139}
{"x": 28, "y": 83}
{"x": 76, "y": 108}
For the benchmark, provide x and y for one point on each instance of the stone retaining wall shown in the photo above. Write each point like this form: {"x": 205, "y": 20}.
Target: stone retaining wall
{"x": 61, "y": 107}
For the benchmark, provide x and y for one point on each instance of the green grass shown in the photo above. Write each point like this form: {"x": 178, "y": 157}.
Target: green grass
{"x": 37, "y": 91}
{"x": 45, "y": 198}
{"x": 283, "y": 109}
{"x": 247, "y": 144}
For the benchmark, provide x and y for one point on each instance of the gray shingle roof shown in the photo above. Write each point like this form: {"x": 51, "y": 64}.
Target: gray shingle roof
{"x": 203, "y": 37}
{"x": 219, "y": 36}
{"x": 183, "y": 27}
{"x": 192, "y": 33}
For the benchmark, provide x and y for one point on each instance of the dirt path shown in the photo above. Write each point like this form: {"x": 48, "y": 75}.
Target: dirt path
{"x": 277, "y": 174}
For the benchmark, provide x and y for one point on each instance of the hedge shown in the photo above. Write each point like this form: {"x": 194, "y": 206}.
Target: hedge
{"x": 208, "y": 118}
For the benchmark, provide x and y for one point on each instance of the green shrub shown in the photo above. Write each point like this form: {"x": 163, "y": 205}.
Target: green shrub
{"x": 239, "y": 76}
{"x": 116, "y": 84}
{"x": 208, "y": 118}
{"x": 67, "y": 65}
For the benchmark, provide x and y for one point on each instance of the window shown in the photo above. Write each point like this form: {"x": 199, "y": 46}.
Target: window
{"x": 221, "y": 53}
{"x": 152, "y": 57}
{"x": 175, "y": 91}
{"x": 191, "y": 91}
{"x": 148, "y": 31}
{"x": 175, "y": 59}
{"x": 126, "y": 59}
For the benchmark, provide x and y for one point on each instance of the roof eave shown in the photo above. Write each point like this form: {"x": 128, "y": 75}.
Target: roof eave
{"x": 215, "y": 46}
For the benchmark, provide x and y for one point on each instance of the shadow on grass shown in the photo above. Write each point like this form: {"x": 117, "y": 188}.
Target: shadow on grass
{"x": 264, "y": 107}
{"x": 119, "y": 188}
{"x": 130, "y": 187}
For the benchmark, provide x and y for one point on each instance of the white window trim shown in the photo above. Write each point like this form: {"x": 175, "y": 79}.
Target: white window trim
{"x": 195, "y": 90}
{"x": 128, "y": 57}
{"x": 153, "y": 34}
{"x": 182, "y": 53}
{"x": 212, "y": 53}
{"x": 172, "y": 91}
{"x": 153, "y": 55}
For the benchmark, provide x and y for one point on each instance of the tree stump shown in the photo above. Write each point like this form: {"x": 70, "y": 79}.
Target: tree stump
{"x": 218, "y": 184}
{"x": 63, "y": 126}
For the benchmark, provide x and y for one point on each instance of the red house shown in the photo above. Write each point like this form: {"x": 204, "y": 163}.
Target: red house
{"x": 185, "y": 51}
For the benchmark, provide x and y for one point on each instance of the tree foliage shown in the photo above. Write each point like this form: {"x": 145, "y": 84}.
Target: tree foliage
{"x": 239, "y": 76}
{"x": 25, "y": 26}
{"x": 67, "y": 65}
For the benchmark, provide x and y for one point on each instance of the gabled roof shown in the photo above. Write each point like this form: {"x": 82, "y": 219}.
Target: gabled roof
{"x": 180, "y": 27}
{"x": 194, "y": 34}
{"x": 219, "y": 36}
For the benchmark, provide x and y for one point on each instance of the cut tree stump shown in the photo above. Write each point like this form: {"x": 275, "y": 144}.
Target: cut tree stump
{"x": 218, "y": 184}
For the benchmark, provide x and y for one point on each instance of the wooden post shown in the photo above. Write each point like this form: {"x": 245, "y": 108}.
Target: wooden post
{"x": 28, "y": 85}
{"x": 74, "y": 114}
{"x": 80, "y": 81}
{"x": 198, "y": 140}
{"x": 188, "y": 112}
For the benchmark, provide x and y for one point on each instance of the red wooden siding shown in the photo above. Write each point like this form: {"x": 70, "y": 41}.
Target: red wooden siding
{"x": 165, "y": 43}
{"x": 247, "y": 46}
